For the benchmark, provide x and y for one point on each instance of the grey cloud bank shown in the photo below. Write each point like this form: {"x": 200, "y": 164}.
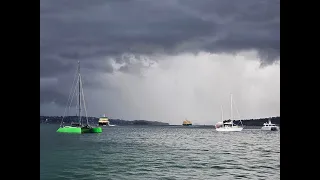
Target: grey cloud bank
{"x": 100, "y": 32}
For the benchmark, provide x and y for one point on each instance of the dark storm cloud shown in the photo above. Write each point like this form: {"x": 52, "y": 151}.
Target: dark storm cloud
{"x": 93, "y": 30}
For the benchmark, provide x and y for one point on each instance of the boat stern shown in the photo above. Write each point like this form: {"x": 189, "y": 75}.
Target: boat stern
{"x": 91, "y": 130}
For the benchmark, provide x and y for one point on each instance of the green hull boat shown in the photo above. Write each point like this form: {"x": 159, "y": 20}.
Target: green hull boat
{"x": 80, "y": 127}
{"x": 79, "y": 130}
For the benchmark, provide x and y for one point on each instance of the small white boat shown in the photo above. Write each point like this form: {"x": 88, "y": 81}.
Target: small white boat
{"x": 228, "y": 125}
{"x": 269, "y": 126}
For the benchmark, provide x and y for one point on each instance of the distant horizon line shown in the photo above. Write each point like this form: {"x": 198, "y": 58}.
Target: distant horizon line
{"x": 154, "y": 120}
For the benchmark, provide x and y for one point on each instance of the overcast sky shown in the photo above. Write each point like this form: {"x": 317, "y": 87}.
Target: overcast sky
{"x": 162, "y": 60}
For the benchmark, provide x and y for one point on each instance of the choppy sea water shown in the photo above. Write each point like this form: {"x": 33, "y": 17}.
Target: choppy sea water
{"x": 164, "y": 152}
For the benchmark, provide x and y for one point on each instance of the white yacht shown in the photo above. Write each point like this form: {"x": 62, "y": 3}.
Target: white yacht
{"x": 228, "y": 125}
{"x": 269, "y": 126}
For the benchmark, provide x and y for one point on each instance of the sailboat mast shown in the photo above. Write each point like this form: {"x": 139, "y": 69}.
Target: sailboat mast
{"x": 79, "y": 92}
{"x": 231, "y": 114}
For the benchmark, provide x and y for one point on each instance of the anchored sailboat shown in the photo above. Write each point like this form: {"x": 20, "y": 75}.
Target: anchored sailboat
{"x": 80, "y": 126}
{"x": 228, "y": 125}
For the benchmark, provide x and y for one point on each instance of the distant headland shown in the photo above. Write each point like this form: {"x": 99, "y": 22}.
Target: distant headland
{"x": 259, "y": 122}
{"x": 94, "y": 120}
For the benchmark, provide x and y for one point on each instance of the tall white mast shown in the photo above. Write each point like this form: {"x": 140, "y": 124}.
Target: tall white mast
{"x": 231, "y": 114}
{"x": 79, "y": 95}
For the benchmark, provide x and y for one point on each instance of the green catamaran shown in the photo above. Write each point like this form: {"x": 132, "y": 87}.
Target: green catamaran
{"x": 79, "y": 127}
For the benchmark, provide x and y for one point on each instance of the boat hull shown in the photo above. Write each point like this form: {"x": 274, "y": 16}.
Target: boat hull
{"x": 69, "y": 129}
{"x": 270, "y": 128}
{"x": 103, "y": 124}
{"x": 91, "y": 130}
{"x": 229, "y": 129}
{"x": 79, "y": 130}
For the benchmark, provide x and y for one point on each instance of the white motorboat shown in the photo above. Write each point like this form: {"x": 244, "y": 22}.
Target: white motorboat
{"x": 269, "y": 126}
